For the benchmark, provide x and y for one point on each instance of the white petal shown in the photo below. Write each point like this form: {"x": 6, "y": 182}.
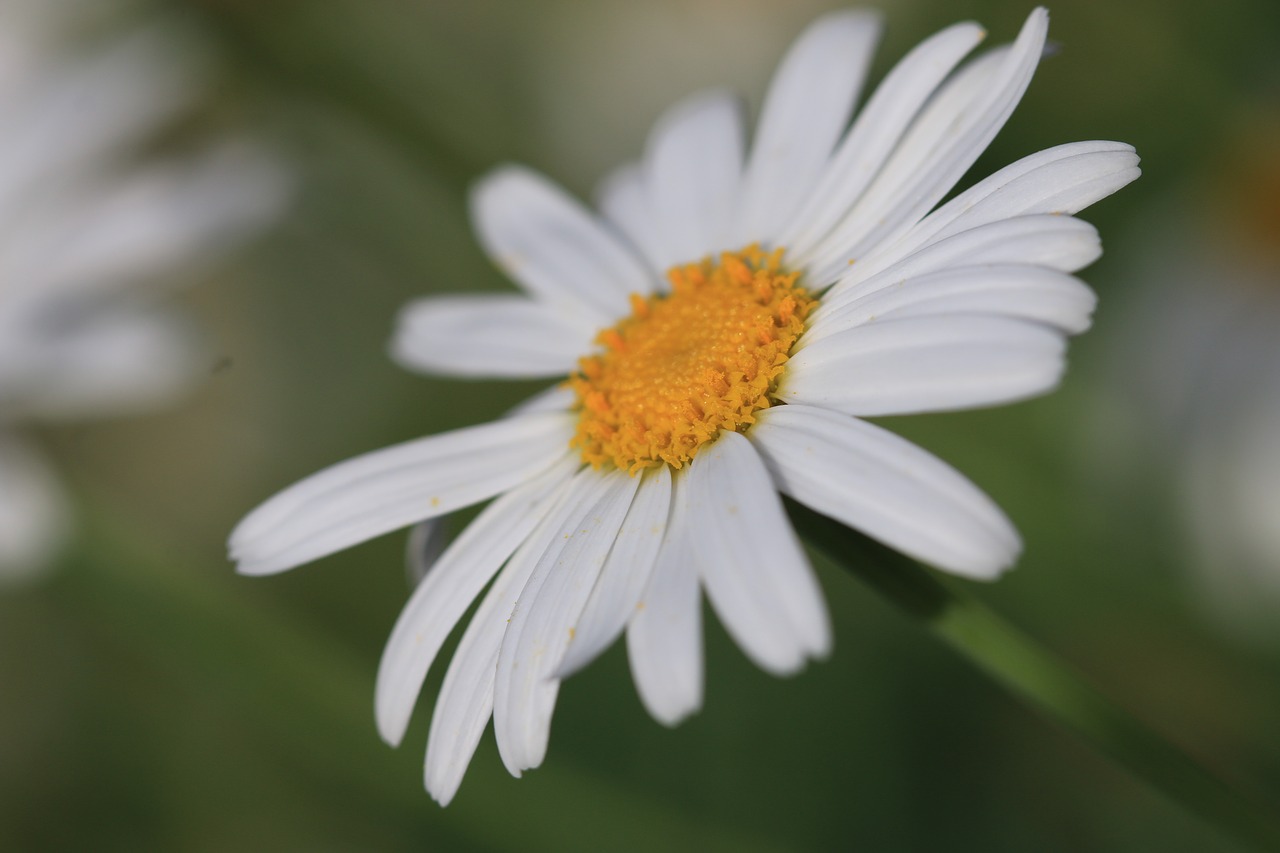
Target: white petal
{"x": 756, "y": 575}
{"x": 145, "y": 224}
{"x": 466, "y": 697}
{"x": 1007, "y": 290}
{"x": 464, "y": 707}
{"x": 664, "y": 637}
{"x": 446, "y": 592}
{"x": 33, "y": 512}
{"x": 101, "y": 364}
{"x": 886, "y": 487}
{"x": 541, "y": 626}
{"x": 553, "y": 247}
{"x": 940, "y": 147}
{"x": 876, "y": 131}
{"x": 624, "y": 201}
{"x": 1063, "y": 179}
{"x": 508, "y": 337}
{"x": 1056, "y": 242}
{"x": 693, "y": 164}
{"x": 804, "y": 114}
{"x": 73, "y": 114}
{"x": 926, "y": 364}
{"x": 625, "y": 574}
{"x": 391, "y": 488}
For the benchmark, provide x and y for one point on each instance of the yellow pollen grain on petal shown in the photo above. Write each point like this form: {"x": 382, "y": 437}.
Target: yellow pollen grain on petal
{"x": 686, "y": 365}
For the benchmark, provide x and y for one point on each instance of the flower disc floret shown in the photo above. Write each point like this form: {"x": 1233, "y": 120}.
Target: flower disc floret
{"x": 690, "y": 363}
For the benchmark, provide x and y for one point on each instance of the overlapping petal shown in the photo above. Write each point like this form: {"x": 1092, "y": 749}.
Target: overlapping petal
{"x": 664, "y": 638}
{"x": 946, "y": 139}
{"x": 625, "y": 574}
{"x": 1018, "y": 291}
{"x": 805, "y": 112}
{"x": 447, "y": 590}
{"x": 875, "y": 132}
{"x": 1044, "y": 240}
{"x": 465, "y": 703}
{"x": 541, "y": 625}
{"x": 1063, "y": 179}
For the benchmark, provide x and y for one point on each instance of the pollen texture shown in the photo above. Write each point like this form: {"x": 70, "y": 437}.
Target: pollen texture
{"x": 689, "y": 363}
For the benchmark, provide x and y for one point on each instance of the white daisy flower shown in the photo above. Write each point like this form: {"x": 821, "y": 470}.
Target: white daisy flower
{"x": 725, "y": 323}
{"x": 77, "y": 232}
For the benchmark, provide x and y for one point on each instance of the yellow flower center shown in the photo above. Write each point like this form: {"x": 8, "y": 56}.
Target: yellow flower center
{"x": 687, "y": 364}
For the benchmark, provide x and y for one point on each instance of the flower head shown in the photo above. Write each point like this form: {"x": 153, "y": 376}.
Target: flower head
{"x": 76, "y": 339}
{"x": 724, "y": 325}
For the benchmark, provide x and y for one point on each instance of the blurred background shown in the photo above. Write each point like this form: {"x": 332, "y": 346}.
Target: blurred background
{"x": 150, "y": 699}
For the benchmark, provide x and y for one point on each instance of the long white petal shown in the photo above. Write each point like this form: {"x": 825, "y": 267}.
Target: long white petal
{"x": 625, "y": 574}
{"x": 939, "y": 149}
{"x": 33, "y": 511}
{"x": 926, "y": 364}
{"x": 553, "y": 247}
{"x": 121, "y": 92}
{"x": 664, "y": 638}
{"x": 876, "y": 131}
{"x": 448, "y": 589}
{"x": 692, "y": 168}
{"x": 391, "y": 488}
{"x": 138, "y": 227}
{"x": 1007, "y": 290}
{"x": 1056, "y": 242}
{"x": 541, "y": 626}
{"x": 1063, "y": 179}
{"x": 98, "y": 364}
{"x": 886, "y": 487}
{"x": 921, "y": 147}
{"x": 804, "y": 114}
{"x": 466, "y": 697}
{"x": 756, "y": 575}
{"x": 510, "y": 337}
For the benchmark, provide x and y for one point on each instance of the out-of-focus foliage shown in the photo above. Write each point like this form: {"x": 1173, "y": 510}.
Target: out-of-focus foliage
{"x": 150, "y": 699}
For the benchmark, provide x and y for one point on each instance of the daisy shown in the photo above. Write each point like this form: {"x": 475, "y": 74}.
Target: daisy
{"x": 725, "y": 323}
{"x": 75, "y": 340}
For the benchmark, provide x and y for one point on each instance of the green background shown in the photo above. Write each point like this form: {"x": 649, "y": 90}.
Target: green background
{"x": 151, "y": 699}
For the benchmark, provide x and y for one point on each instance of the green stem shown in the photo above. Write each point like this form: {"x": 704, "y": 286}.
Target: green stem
{"x": 1038, "y": 676}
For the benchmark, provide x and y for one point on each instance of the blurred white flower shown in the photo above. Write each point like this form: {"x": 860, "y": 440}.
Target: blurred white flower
{"x": 80, "y": 229}
{"x": 705, "y": 377}
{"x": 1200, "y": 342}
